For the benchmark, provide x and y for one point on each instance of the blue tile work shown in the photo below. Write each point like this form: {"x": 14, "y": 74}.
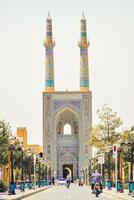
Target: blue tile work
{"x": 61, "y": 103}
{"x": 49, "y": 33}
{"x": 49, "y": 83}
{"x": 84, "y": 34}
{"x": 84, "y": 83}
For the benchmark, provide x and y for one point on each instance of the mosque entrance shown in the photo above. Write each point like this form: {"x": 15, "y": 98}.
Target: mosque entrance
{"x": 68, "y": 170}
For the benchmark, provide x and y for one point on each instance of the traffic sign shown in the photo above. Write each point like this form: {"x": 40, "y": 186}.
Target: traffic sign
{"x": 101, "y": 158}
{"x": 114, "y": 150}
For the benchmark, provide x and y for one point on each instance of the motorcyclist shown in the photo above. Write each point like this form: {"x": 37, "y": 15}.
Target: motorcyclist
{"x": 96, "y": 178}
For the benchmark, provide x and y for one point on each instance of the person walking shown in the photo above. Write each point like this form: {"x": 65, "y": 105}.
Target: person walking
{"x": 53, "y": 180}
{"x": 68, "y": 180}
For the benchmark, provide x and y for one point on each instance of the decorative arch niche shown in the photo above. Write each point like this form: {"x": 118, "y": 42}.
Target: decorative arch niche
{"x": 67, "y": 123}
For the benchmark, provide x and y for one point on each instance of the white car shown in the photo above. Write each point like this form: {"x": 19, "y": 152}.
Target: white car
{"x": 60, "y": 181}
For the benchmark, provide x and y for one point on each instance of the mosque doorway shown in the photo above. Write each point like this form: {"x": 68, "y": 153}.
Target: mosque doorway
{"x": 68, "y": 170}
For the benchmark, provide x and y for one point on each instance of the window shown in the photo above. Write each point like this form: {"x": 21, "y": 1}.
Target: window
{"x": 67, "y": 129}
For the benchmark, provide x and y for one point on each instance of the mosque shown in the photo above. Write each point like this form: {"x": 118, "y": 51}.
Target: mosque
{"x": 67, "y": 115}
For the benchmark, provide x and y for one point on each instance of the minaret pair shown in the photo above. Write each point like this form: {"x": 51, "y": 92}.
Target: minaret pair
{"x": 49, "y": 67}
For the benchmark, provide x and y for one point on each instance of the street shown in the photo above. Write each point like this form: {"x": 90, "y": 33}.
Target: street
{"x": 73, "y": 193}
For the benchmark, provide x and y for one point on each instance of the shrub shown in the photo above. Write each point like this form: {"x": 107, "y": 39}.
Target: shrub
{"x": 3, "y": 186}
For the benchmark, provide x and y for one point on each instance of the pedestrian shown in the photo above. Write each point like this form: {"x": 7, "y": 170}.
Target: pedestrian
{"x": 53, "y": 180}
{"x": 68, "y": 180}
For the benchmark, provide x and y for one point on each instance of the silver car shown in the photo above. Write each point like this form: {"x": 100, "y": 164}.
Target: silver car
{"x": 60, "y": 181}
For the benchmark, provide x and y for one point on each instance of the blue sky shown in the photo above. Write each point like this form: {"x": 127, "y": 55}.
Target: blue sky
{"x": 111, "y": 57}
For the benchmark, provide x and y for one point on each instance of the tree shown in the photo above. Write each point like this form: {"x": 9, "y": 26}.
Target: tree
{"x": 126, "y": 138}
{"x": 106, "y": 133}
{"x": 95, "y": 140}
{"x": 5, "y": 133}
{"x": 126, "y": 135}
{"x": 108, "y": 125}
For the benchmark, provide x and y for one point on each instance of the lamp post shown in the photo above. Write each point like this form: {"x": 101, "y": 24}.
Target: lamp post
{"x": 86, "y": 176}
{"x": 89, "y": 171}
{"x": 45, "y": 172}
{"x": 11, "y": 148}
{"x": 39, "y": 181}
{"x": 46, "y": 182}
{"x": 12, "y": 183}
{"x": 103, "y": 179}
{"x": 49, "y": 174}
{"x": 22, "y": 186}
{"x": 109, "y": 171}
{"x": 121, "y": 169}
{"x": 118, "y": 171}
{"x": 29, "y": 171}
{"x": 131, "y": 182}
{"x": 34, "y": 171}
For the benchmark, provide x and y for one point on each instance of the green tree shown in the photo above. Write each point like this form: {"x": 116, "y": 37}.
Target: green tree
{"x": 126, "y": 139}
{"x": 95, "y": 140}
{"x": 106, "y": 133}
{"x": 5, "y": 133}
{"x": 108, "y": 125}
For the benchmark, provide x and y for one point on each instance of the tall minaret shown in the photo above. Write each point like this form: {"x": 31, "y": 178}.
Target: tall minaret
{"x": 84, "y": 44}
{"x": 49, "y": 65}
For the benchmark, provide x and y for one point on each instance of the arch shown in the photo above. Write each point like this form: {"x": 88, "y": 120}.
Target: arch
{"x": 68, "y": 165}
{"x": 68, "y": 107}
{"x": 60, "y": 120}
{"x": 66, "y": 140}
{"x": 67, "y": 172}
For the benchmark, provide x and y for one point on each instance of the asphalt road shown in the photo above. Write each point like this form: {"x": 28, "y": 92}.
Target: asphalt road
{"x": 73, "y": 193}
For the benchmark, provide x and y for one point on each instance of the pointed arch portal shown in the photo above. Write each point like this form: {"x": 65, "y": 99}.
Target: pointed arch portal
{"x": 68, "y": 170}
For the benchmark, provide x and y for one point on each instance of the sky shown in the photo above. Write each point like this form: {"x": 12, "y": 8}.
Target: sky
{"x": 110, "y": 27}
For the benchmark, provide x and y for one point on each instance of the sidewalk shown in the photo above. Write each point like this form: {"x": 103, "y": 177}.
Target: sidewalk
{"x": 21, "y": 194}
{"x": 121, "y": 196}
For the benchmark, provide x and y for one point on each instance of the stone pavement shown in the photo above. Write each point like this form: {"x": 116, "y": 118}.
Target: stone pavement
{"x": 21, "y": 194}
{"x": 114, "y": 193}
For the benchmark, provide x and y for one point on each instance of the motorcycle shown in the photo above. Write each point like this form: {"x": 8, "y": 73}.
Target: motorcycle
{"x": 97, "y": 190}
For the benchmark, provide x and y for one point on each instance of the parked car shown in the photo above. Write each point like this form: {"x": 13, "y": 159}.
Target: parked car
{"x": 60, "y": 181}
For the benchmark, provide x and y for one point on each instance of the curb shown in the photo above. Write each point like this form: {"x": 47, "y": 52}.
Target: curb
{"x": 121, "y": 198}
{"x": 29, "y": 194}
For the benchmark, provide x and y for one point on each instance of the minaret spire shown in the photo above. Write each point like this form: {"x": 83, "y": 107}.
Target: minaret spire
{"x": 49, "y": 64}
{"x": 84, "y": 44}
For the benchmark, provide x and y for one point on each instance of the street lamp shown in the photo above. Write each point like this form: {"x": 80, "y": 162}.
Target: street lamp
{"x": 39, "y": 181}
{"x": 34, "y": 157}
{"x": 29, "y": 170}
{"x": 103, "y": 179}
{"x": 86, "y": 175}
{"x": 131, "y": 183}
{"x": 45, "y": 172}
{"x": 22, "y": 186}
{"x": 109, "y": 172}
{"x": 49, "y": 175}
{"x": 12, "y": 183}
{"x": 118, "y": 171}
